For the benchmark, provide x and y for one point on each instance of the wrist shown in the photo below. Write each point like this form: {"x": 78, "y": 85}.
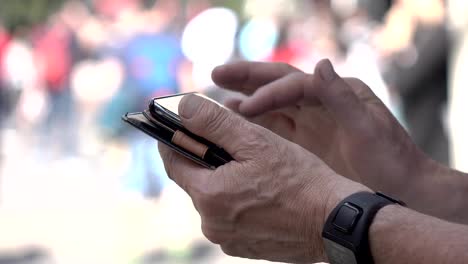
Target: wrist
{"x": 341, "y": 189}
{"x": 411, "y": 180}
{"x": 346, "y": 232}
{"x": 388, "y": 220}
{"x": 444, "y": 182}
{"x": 435, "y": 180}
{"x": 320, "y": 199}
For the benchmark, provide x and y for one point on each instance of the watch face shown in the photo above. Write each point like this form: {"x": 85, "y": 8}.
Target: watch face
{"x": 337, "y": 254}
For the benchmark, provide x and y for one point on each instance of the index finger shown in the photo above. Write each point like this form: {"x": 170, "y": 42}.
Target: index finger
{"x": 246, "y": 77}
{"x": 325, "y": 85}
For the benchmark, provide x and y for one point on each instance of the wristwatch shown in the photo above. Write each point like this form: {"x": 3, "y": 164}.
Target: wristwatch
{"x": 345, "y": 234}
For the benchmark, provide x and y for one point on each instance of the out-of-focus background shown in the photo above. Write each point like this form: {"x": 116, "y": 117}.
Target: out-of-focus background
{"x": 77, "y": 185}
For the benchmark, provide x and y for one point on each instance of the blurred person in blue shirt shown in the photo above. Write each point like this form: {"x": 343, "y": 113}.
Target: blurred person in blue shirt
{"x": 151, "y": 62}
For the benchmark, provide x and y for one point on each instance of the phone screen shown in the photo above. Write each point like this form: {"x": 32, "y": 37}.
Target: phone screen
{"x": 171, "y": 103}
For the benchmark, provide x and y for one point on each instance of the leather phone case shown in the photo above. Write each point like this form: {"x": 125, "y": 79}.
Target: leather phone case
{"x": 213, "y": 158}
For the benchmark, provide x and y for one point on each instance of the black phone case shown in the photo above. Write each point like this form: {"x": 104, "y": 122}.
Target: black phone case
{"x": 161, "y": 132}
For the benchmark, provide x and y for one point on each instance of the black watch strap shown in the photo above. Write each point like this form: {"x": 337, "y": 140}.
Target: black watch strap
{"x": 347, "y": 227}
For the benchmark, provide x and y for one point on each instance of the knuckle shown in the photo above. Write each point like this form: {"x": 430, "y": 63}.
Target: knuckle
{"x": 277, "y": 154}
{"x": 254, "y": 142}
{"x": 287, "y": 68}
{"x": 352, "y": 81}
{"x": 211, "y": 201}
{"x": 240, "y": 249}
{"x": 213, "y": 116}
{"x": 298, "y": 76}
{"x": 252, "y": 135}
{"x": 359, "y": 87}
{"x": 230, "y": 249}
{"x": 206, "y": 205}
{"x": 302, "y": 80}
{"x": 211, "y": 235}
{"x": 264, "y": 141}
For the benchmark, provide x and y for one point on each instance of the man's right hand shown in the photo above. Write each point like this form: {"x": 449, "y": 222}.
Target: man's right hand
{"x": 271, "y": 201}
{"x": 340, "y": 120}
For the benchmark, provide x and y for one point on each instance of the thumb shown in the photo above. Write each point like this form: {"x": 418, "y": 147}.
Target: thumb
{"x": 217, "y": 124}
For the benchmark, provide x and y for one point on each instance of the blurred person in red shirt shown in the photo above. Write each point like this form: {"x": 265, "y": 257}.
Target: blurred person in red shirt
{"x": 52, "y": 52}
{"x": 4, "y": 39}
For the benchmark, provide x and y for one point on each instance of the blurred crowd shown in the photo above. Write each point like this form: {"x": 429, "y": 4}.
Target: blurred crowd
{"x": 65, "y": 83}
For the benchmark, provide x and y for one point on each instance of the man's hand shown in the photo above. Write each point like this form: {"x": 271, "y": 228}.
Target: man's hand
{"x": 271, "y": 202}
{"x": 339, "y": 120}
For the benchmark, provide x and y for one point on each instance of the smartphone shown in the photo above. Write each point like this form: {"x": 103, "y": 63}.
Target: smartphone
{"x": 162, "y": 122}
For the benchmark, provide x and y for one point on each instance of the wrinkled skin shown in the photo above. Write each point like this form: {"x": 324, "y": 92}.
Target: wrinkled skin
{"x": 271, "y": 202}
{"x": 340, "y": 120}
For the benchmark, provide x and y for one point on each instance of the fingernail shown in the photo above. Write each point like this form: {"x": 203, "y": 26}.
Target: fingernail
{"x": 189, "y": 105}
{"x": 326, "y": 71}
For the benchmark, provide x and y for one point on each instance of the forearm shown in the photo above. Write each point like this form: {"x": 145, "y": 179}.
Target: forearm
{"x": 400, "y": 235}
{"x": 440, "y": 192}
